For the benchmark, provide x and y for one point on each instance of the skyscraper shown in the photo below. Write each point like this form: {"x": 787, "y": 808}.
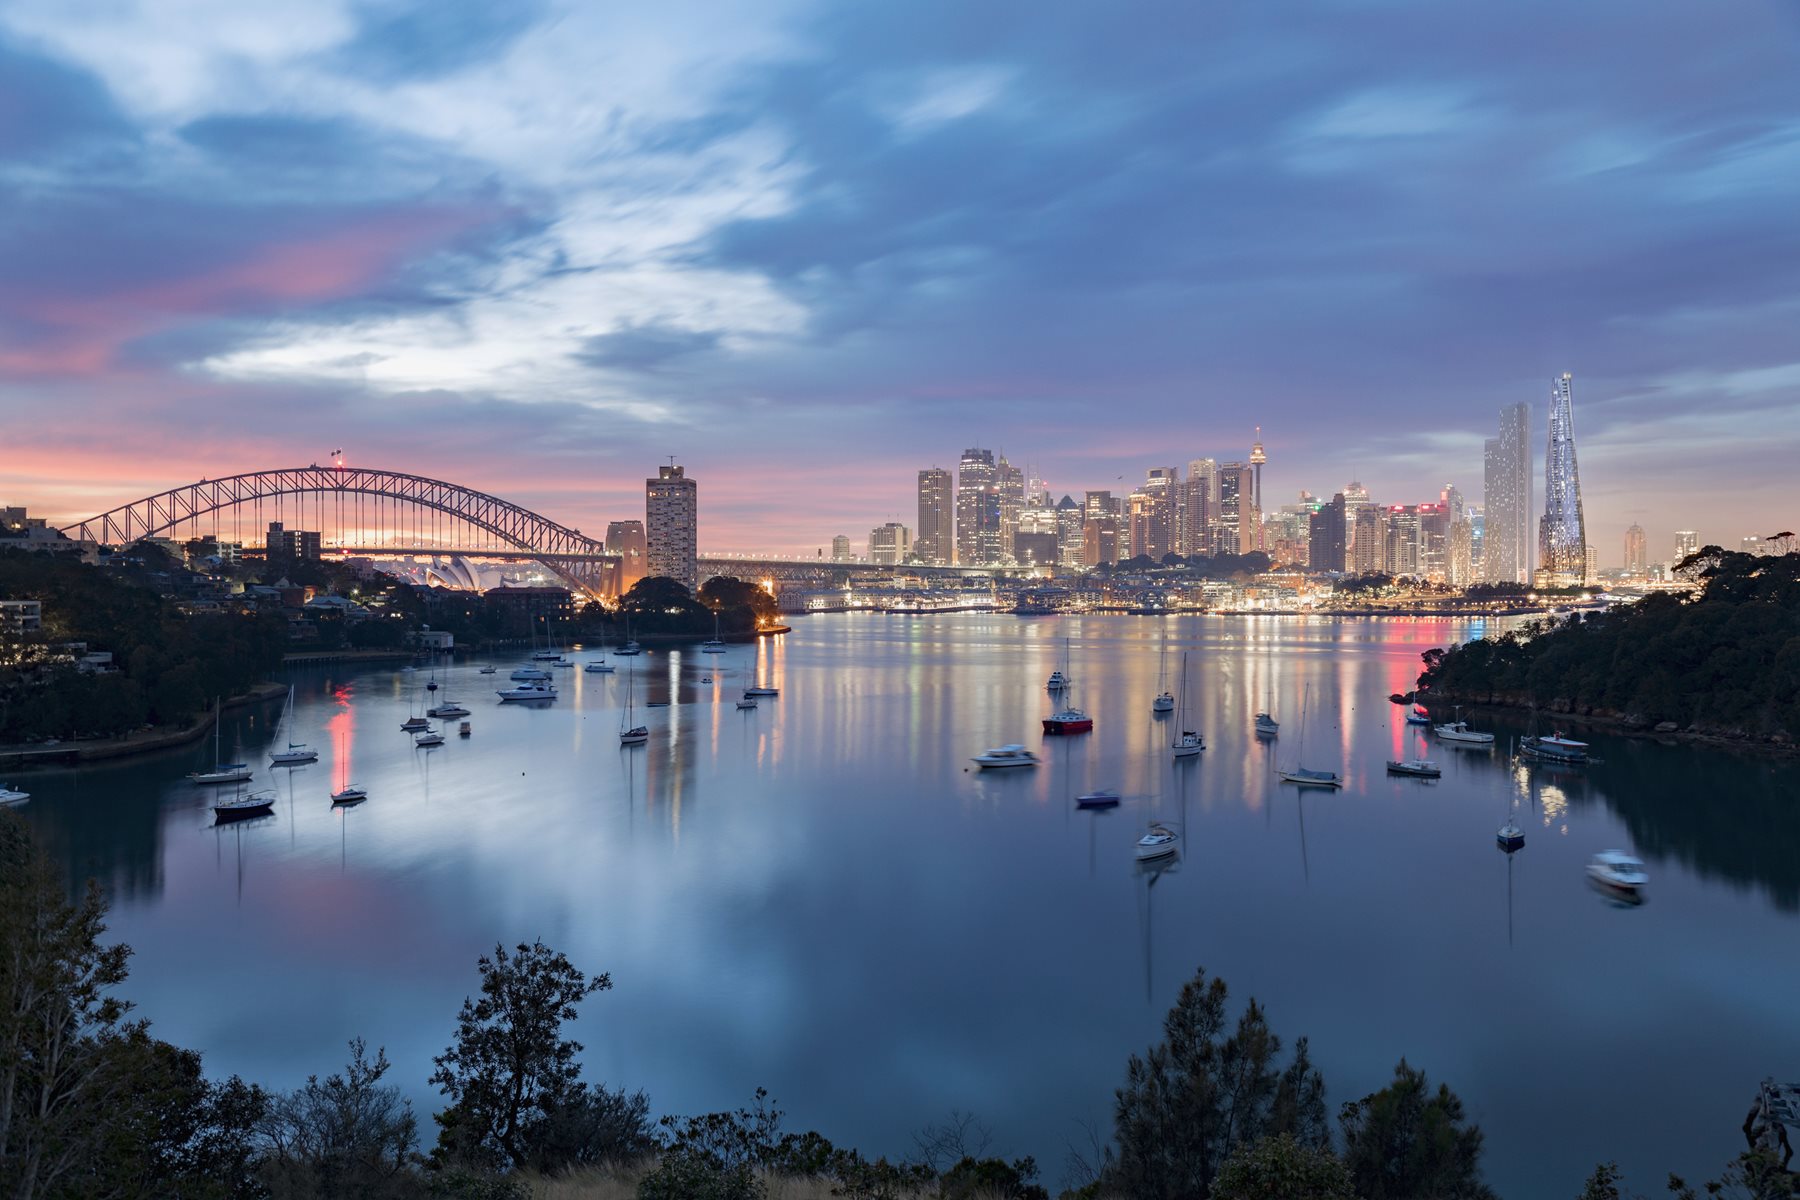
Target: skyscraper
{"x": 1506, "y": 499}
{"x": 936, "y": 541}
{"x": 1068, "y": 533}
{"x": 1687, "y": 542}
{"x": 1200, "y": 507}
{"x": 672, "y": 525}
{"x": 1152, "y": 513}
{"x": 1325, "y": 537}
{"x": 1637, "y": 550}
{"x": 977, "y": 509}
{"x": 626, "y": 539}
{"x": 1365, "y": 534}
{"x": 1238, "y": 517}
{"x": 889, "y": 544}
{"x": 840, "y": 549}
{"x": 1257, "y": 459}
{"x": 1011, "y": 482}
{"x": 1562, "y": 534}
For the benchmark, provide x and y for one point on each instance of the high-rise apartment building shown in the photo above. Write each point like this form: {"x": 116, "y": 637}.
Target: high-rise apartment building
{"x": 1011, "y": 482}
{"x": 840, "y": 549}
{"x": 1459, "y": 566}
{"x": 1637, "y": 551}
{"x": 936, "y": 541}
{"x": 626, "y": 539}
{"x": 978, "y": 510}
{"x": 1402, "y": 545}
{"x": 1325, "y": 537}
{"x": 1562, "y": 533}
{"x": 1687, "y": 542}
{"x": 1099, "y": 529}
{"x": 672, "y": 525}
{"x": 1366, "y": 538}
{"x": 1152, "y": 513}
{"x": 1068, "y": 533}
{"x": 1238, "y": 517}
{"x": 889, "y": 544}
{"x": 1434, "y": 541}
{"x": 1506, "y": 499}
{"x": 1200, "y": 508}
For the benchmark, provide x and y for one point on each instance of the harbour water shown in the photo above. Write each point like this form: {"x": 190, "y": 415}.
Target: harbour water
{"x": 822, "y": 897}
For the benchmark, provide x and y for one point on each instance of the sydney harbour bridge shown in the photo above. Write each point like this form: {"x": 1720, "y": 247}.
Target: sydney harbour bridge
{"x": 367, "y": 512}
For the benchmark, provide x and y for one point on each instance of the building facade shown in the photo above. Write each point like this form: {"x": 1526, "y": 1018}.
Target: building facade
{"x": 1506, "y": 499}
{"x": 626, "y": 539}
{"x": 1325, "y": 536}
{"x": 1637, "y": 551}
{"x": 1562, "y": 533}
{"x": 978, "y": 509}
{"x": 889, "y": 544}
{"x": 672, "y": 526}
{"x": 1200, "y": 507}
{"x": 935, "y": 543}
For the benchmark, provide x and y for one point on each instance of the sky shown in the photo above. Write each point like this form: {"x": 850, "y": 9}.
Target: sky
{"x": 809, "y": 248}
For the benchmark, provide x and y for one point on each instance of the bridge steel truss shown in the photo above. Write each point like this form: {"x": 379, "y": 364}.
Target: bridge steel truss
{"x": 580, "y": 561}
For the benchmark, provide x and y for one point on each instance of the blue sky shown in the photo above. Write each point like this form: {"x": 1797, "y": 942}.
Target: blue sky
{"x": 811, "y": 248}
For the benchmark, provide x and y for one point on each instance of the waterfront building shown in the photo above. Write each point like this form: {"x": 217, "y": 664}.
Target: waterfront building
{"x": 1687, "y": 542}
{"x": 889, "y": 544}
{"x": 1200, "y": 508}
{"x": 1637, "y": 551}
{"x": 840, "y": 548}
{"x": 626, "y": 539}
{"x": 1460, "y": 558}
{"x": 1506, "y": 499}
{"x": 672, "y": 525}
{"x": 1068, "y": 533}
{"x": 978, "y": 509}
{"x": 1434, "y": 541}
{"x": 1325, "y": 536}
{"x": 935, "y": 543}
{"x": 1401, "y": 546}
{"x": 21, "y": 616}
{"x": 1367, "y": 540}
{"x": 1562, "y": 533}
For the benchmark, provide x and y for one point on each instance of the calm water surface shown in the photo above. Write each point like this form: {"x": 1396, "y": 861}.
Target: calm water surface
{"x": 820, "y": 896}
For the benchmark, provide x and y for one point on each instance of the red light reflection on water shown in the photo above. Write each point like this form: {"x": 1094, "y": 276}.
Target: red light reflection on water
{"x": 342, "y": 728}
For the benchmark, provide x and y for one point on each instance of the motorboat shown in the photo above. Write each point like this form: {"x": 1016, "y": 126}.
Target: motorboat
{"x": 1001, "y": 757}
{"x": 1459, "y": 733}
{"x": 408, "y": 669}
{"x": 488, "y": 669}
{"x": 1159, "y": 842}
{"x": 628, "y": 650}
{"x": 449, "y": 708}
{"x": 223, "y": 773}
{"x": 429, "y": 737}
{"x": 1423, "y": 768}
{"x": 1306, "y": 778}
{"x": 255, "y": 804}
{"x": 656, "y": 704}
{"x": 1265, "y": 725}
{"x": 349, "y": 795}
{"x": 1164, "y": 702}
{"x": 414, "y": 724}
{"x": 762, "y": 690}
{"x": 1418, "y": 716}
{"x": 1555, "y": 749}
{"x": 1510, "y": 837}
{"x": 9, "y": 796}
{"x": 706, "y": 679}
{"x": 527, "y": 674}
{"x": 1188, "y": 743}
{"x": 296, "y": 753}
{"x": 1069, "y": 720}
{"x": 1617, "y": 871}
{"x": 1057, "y": 682}
{"x": 747, "y": 702}
{"x": 546, "y": 656}
{"x": 463, "y": 730}
{"x": 1100, "y": 799}
{"x": 598, "y": 667}
{"x": 537, "y": 689}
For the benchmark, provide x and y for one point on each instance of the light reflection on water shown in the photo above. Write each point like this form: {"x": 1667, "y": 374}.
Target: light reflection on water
{"x": 821, "y": 894}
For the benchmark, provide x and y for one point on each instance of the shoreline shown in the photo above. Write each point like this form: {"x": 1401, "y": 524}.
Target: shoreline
{"x": 65, "y": 754}
{"x": 1617, "y": 723}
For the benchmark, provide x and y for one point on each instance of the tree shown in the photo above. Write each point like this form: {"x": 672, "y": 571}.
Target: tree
{"x": 510, "y": 1070}
{"x": 723, "y": 592}
{"x": 1280, "y": 1168}
{"x": 655, "y": 593}
{"x": 1603, "y": 1184}
{"x": 349, "y": 1135}
{"x": 1404, "y": 1142}
{"x": 1199, "y": 1094}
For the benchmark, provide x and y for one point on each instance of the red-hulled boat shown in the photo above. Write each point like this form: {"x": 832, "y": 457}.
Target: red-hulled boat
{"x": 1069, "y": 720}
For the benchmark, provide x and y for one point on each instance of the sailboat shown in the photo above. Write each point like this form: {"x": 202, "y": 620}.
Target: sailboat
{"x": 222, "y": 772}
{"x": 414, "y": 722}
{"x": 296, "y": 752}
{"x": 1165, "y": 701}
{"x": 347, "y": 793}
{"x": 630, "y": 733}
{"x": 1068, "y": 718}
{"x": 630, "y": 647}
{"x": 1300, "y": 774}
{"x": 714, "y": 644}
{"x": 759, "y": 688}
{"x": 1188, "y": 742}
{"x": 256, "y": 804}
{"x": 1265, "y": 725}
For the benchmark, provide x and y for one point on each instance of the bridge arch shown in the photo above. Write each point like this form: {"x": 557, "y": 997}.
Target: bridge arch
{"x": 580, "y": 561}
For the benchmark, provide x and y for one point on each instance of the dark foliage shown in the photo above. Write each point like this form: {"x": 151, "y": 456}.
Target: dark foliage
{"x": 1280, "y": 1168}
{"x": 346, "y": 1135}
{"x": 1405, "y": 1141}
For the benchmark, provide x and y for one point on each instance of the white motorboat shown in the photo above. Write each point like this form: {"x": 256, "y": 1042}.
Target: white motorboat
{"x": 429, "y": 737}
{"x": 1188, "y": 742}
{"x": 762, "y": 690}
{"x": 1460, "y": 733}
{"x": 747, "y": 702}
{"x": 537, "y": 689}
{"x": 1159, "y": 842}
{"x": 222, "y": 772}
{"x": 598, "y": 667}
{"x": 488, "y": 669}
{"x": 527, "y": 674}
{"x": 349, "y": 795}
{"x": 1555, "y": 749}
{"x": 1057, "y": 682}
{"x": 1423, "y": 768}
{"x": 1103, "y": 798}
{"x": 1265, "y": 725}
{"x": 296, "y": 753}
{"x": 10, "y": 796}
{"x": 1001, "y": 757}
{"x": 1617, "y": 871}
{"x": 449, "y": 708}
{"x": 255, "y": 804}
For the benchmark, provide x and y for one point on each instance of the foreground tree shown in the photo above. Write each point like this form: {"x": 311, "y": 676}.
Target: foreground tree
{"x": 350, "y": 1135}
{"x": 1280, "y": 1168}
{"x": 510, "y": 1073}
{"x": 1405, "y": 1142}
{"x": 1204, "y": 1091}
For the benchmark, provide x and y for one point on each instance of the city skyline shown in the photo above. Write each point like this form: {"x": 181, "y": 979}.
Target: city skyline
{"x": 560, "y": 245}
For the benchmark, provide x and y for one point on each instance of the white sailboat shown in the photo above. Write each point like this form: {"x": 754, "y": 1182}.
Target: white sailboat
{"x": 758, "y": 688}
{"x": 1300, "y": 774}
{"x": 630, "y": 732}
{"x": 714, "y": 644}
{"x": 1159, "y": 842}
{"x": 1188, "y": 742}
{"x": 1165, "y": 700}
{"x": 296, "y": 752}
{"x": 222, "y": 772}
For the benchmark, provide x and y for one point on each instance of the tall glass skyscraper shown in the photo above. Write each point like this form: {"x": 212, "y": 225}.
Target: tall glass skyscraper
{"x": 977, "y": 509}
{"x": 1562, "y": 534}
{"x": 935, "y": 542}
{"x": 1506, "y": 499}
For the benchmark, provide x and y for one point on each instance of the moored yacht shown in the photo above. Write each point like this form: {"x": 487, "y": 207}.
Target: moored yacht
{"x": 1423, "y": 768}
{"x": 1069, "y": 720}
{"x": 429, "y": 737}
{"x": 238, "y": 807}
{"x": 1418, "y": 716}
{"x": 296, "y": 753}
{"x": 1001, "y": 757}
{"x": 1159, "y": 842}
{"x": 349, "y": 795}
{"x": 1265, "y": 725}
{"x": 414, "y": 724}
{"x": 598, "y": 667}
{"x": 1057, "y": 682}
{"x": 448, "y": 708}
{"x": 527, "y": 674}
{"x": 9, "y": 796}
{"x": 537, "y": 689}
{"x": 1555, "y": 749}
{"x": 1459, "y": 733}
{"x": 1617, "y": 871}
{"x": 1104, "y": 798}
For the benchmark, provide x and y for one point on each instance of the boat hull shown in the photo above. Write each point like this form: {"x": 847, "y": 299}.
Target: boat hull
{"x": 1058, "y": 726}
{"x": 1415, "y": 770}
{"x": 1097, "y": 800}
{"x": 1318, "y": 781}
